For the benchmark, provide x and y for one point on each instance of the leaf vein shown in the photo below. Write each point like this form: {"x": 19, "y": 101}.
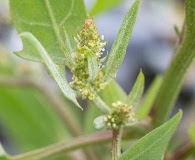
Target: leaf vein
{"x": 153, "y": 144}
{"x": 69, "y": 13}
{"x": 35, "y": 23}
{"x": 53, "y": 21}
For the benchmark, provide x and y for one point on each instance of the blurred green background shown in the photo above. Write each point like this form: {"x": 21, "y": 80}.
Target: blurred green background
{"x": 29, "y": 118}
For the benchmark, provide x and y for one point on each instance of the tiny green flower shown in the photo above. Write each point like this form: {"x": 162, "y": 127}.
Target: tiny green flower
{"x": 121, "y": 115}
{"x": 89, "y": 43}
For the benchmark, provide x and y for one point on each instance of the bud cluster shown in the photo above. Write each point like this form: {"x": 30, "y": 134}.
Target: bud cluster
{"x": 89, "y": 43}
{"x": 120, "y": 115}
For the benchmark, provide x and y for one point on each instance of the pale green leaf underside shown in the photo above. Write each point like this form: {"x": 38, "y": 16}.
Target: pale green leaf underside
{"x": 153, "y": 145}
{"x": 137, "y": 90}
{"x": 57, "y": 72}
{"x": 44, "y": 19}
{"x": 119, "y": 47}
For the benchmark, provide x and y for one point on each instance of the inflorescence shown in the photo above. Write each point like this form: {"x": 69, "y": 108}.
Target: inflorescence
{"x": 120, "y": 115}
{"x": 89, "y": 43}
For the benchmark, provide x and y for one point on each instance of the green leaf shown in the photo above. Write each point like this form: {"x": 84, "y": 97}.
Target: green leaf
{"x": 25, "y": 115}
{"x": 102, "y": 5}
{"x": 67, "y": 50}
{"x": 44, "y": 19}
{"x": 90, "y": 114}
{"x": 174, "y": 77}
{"x": 57, "y": 72}
{"x": 153, "y": 145}
{"x": 136, "y": 91}
{"x": 3, "y": 155}
{"x": 119, "y": 47}
{"x": 191, "y": 133}
{"x": 92, "y": 66}
{"x": 112, "y": 93}
{"x": 99, "y": 122}
{"x": 146, "y": 104}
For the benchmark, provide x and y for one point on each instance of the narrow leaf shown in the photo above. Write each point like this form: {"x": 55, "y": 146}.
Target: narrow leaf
{"x": 66, "y": 46}
{"x": 93, "y": 67}
{"x": 119, "y": 47}
{"x": 146, "y": 104}
{"x": 153, "y": 145}
{"x": 137, "y": 90}
{"x": 112, "y": 93}
{"x": 57, "y": 72}
{"x": 44, "y": 19}
{"x": 191, "y": 133}
{"x": 102, "y": 5}
{"x": 174, "y": 77}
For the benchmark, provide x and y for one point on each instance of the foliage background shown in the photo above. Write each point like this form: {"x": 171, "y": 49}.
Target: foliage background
{"x": 25, "y": 128}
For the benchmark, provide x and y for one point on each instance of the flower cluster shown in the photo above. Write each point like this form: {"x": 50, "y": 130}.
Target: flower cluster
{"x": 120, "y": 115}
{"x": 89, "y": 43}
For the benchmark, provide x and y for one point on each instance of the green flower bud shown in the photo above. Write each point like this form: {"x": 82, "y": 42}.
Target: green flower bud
{"x": 121, "y": 115}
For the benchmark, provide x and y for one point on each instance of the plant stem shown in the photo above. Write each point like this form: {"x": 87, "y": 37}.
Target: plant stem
{"x": 64, "y": 147}
{"x": 116, "y": 143}
{"x": 174, "y": 77}
{"x": 101, "y": 104}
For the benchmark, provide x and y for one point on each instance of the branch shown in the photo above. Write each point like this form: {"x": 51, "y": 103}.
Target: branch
{"x": 64, "y": 147}
{"x": 116, "y": 143}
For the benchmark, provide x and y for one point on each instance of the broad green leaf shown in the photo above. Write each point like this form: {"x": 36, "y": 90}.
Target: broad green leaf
{"x": 146, "y": 104}
{"x": 191, "y": 133}
{"x": 153, "y": 145}
{"x": 175, "y": 74}
{"x": 44, "y": 19}
{"x": 112, "y": 93}
{"x": 136, "y": 91}
{"x": 25, "y": 115}
{"x": 119, "y": 47}
{"x": 102, "y": 5}
{"x": 57, "y": 72}
{"x": 93, "y": 67}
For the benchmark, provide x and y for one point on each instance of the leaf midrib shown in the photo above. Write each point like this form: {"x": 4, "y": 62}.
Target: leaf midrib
{"x": 53, "y": 21}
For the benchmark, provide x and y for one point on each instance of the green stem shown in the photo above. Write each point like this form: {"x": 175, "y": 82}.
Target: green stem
{"x": 174, "y": 77}
{"x": 116, "y": 143}
{"x": 101, "y": 104}
{"x": 64, "y": 147}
